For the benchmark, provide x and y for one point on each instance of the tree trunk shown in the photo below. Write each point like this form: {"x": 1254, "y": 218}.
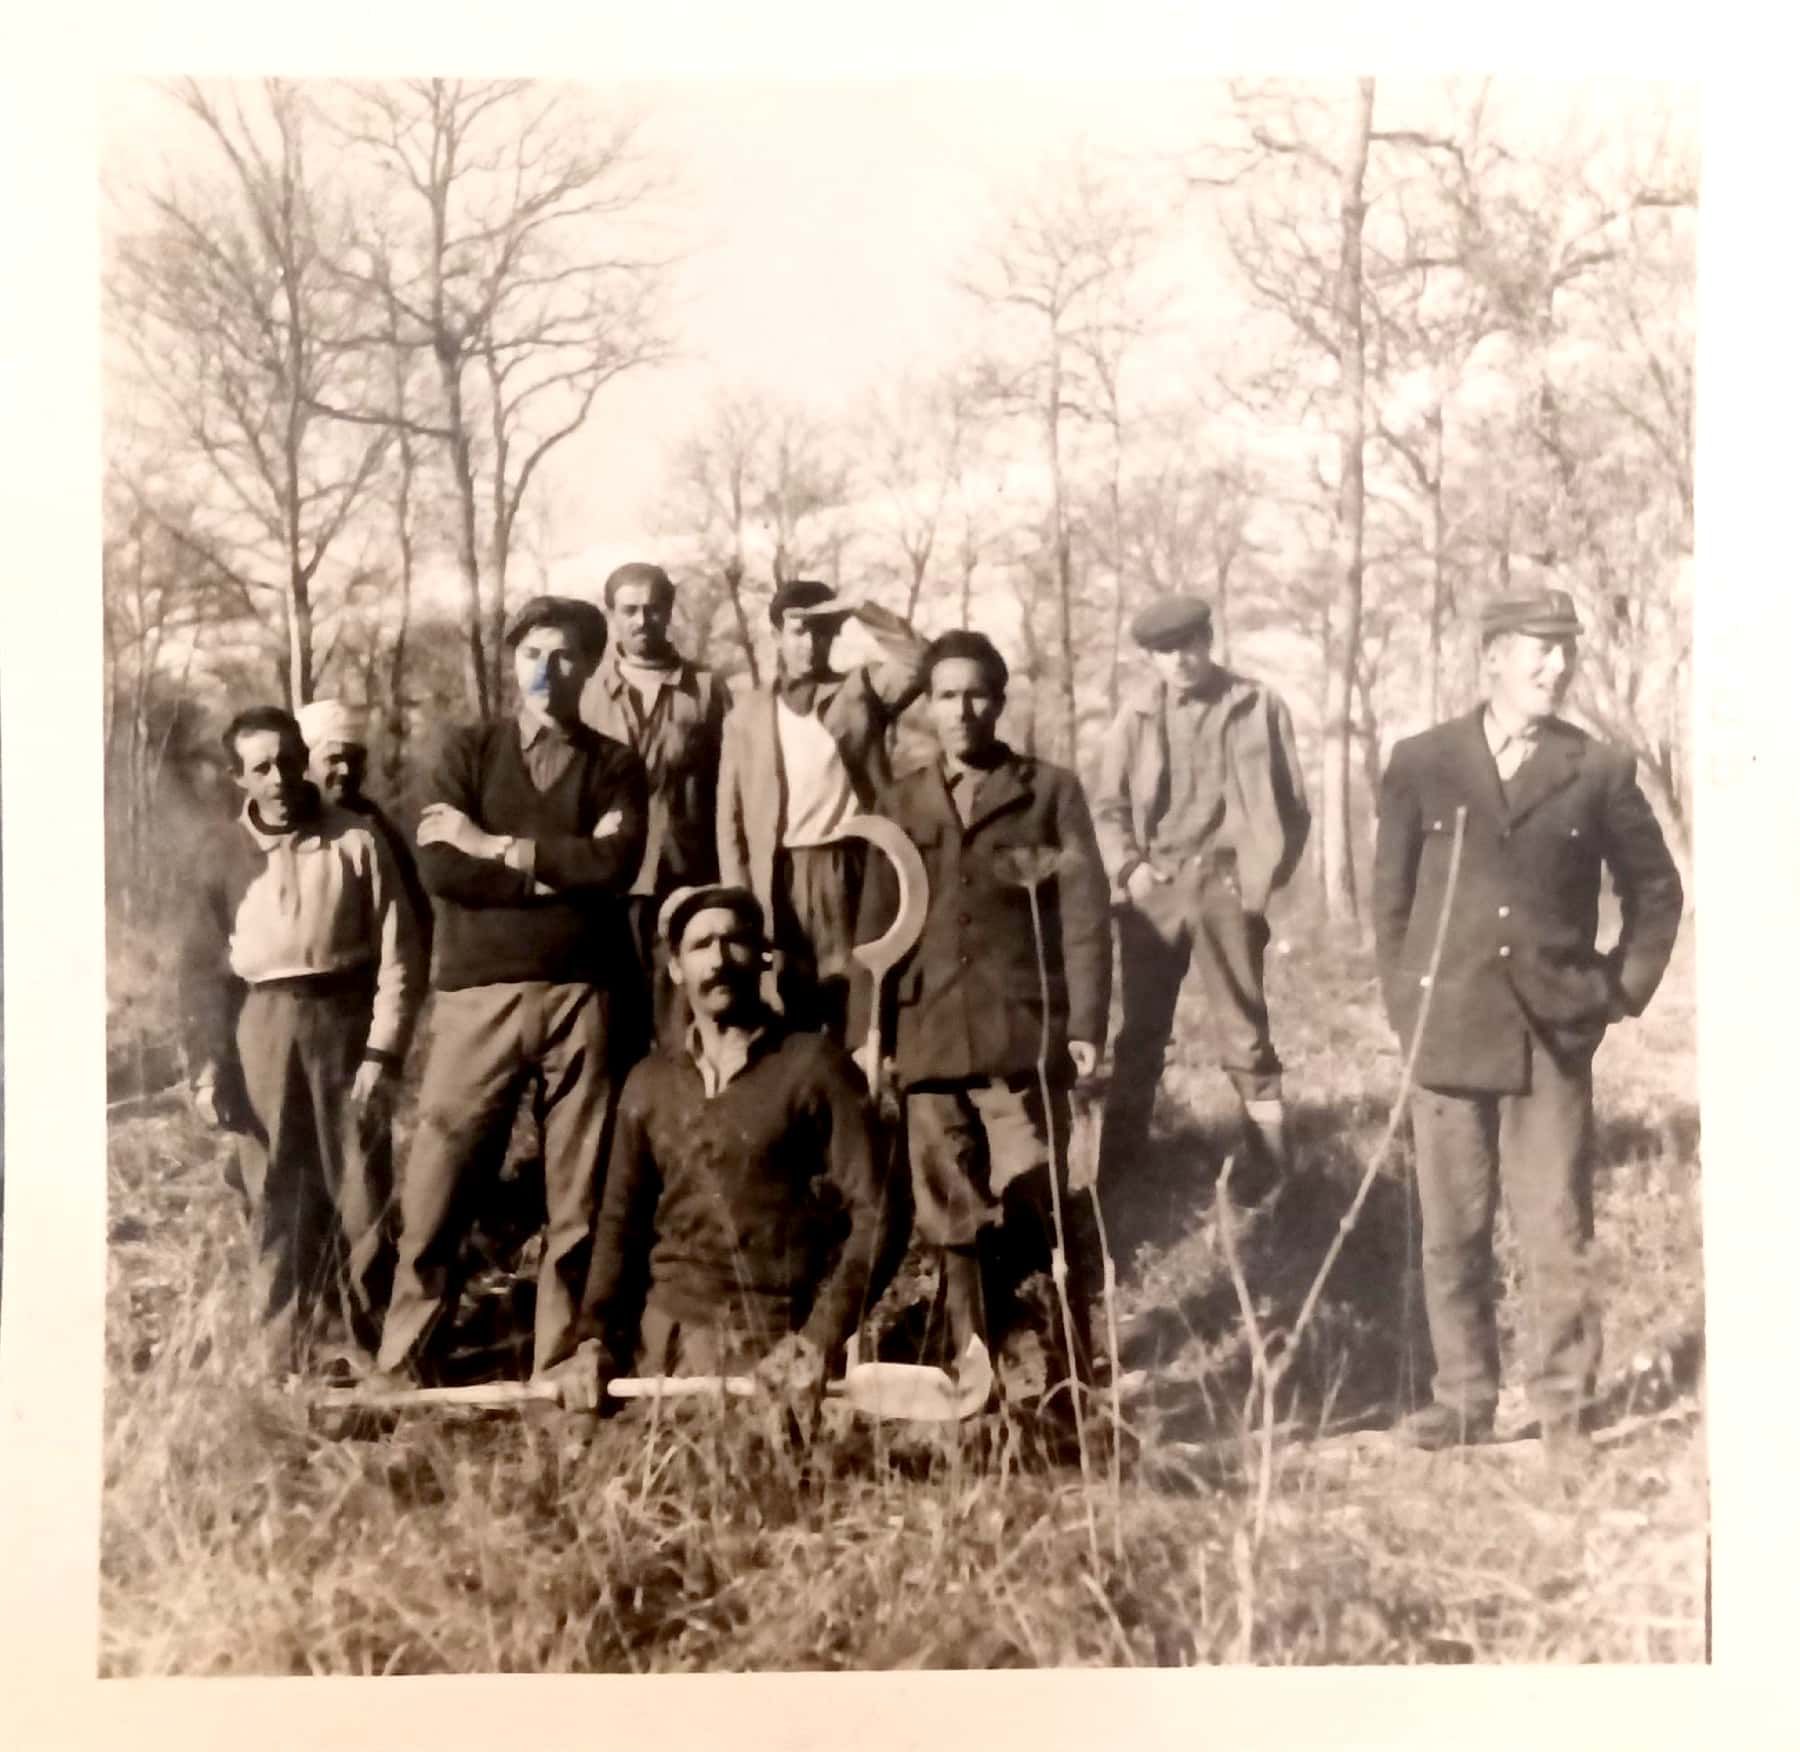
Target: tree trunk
{"x": 1341, "y": 905}
{"x": 734, "y": 591}
{"x": 1435, "y": 642}
{"x": 1059, "y": 535}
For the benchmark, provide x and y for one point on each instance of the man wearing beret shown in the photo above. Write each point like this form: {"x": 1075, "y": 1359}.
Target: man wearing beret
{"x": 529, "y": 848}
{"x": 799, "y": 756}
{"x": 671, "y": 713}
{"x": 337, "y": 762}
{"x": 970, "y": 1018}
{"x": 1520, "y": 1000}
{"x": 743, "y": 1213}
{"x": 1202, "y": 815}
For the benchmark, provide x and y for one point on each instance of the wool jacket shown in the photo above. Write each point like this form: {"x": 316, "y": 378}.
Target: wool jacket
{"x": 758, "y": 1208}
{"x": 679, "y": 746}
{"x": 858, "y": 709}
{"x": 565, "y": 919}
{"x": 1519, "y": 948}
{"x": 967, "y": 1003}
{"x": 1266, "y": 814}
{"x": 320, "y": 901}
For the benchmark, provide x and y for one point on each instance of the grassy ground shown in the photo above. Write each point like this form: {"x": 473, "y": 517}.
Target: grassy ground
{"x": 240, "y": 1538}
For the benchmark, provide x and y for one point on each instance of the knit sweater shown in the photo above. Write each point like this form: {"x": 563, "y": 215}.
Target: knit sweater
{"x": 564, "y": 920}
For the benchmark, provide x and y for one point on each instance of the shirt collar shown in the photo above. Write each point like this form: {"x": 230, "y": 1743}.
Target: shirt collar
{"x": 308, "y": 822}
{"x": 534, "y": 724}
{"x": 742, "y": 1048}
{"x": 1502, "y": 732}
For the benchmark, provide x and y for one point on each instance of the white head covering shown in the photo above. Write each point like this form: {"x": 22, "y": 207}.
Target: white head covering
{"x": 332, "y": 721}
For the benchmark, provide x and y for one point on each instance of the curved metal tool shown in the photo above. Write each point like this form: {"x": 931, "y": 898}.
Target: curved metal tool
{"x": 882, "y": 955}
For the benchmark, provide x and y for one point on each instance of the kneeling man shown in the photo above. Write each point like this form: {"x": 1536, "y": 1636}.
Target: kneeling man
{"x": 743, "y": 1210}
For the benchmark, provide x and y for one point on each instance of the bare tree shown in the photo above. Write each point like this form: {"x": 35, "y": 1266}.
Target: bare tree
{"x": 1056, "y": 288}
{"x": 221, "y": 290}
{"x": 506, "y": 247}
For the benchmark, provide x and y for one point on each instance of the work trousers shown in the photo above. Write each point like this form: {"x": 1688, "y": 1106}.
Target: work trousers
{"x": 318, "y": 1200}
{"x": 981, "y": 1164}
{"x": 1536, "y": 1148}
{"x": 817, "y": 891}
{"x": 1195, "y": 919}
{"x": 485, "y": 1042}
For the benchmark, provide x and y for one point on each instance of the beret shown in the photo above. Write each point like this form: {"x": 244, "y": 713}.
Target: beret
{"x": 681, "y": 906}
{"x": 323, "y": 721}
{"x": 1549, "y": 614}
{"x": 1171, "y": 622}
{"x": 805, "y": 594}
{"x": 580, "y": 618}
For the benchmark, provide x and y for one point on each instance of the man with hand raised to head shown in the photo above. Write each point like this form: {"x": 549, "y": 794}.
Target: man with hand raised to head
{"x": 529, "y": 848}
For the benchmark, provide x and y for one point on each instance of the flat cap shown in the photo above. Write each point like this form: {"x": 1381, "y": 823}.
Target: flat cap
{"x": 581, "y": 619}
{"x": 806, "y": 596}
{"x": 323, "y": 721}
{"x": 1171, "y": 622}
{"x": 683, "y": 903}
{"x": 1549, "y": 614}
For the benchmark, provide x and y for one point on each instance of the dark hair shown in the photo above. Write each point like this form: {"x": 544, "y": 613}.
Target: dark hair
{"x": 252, "y": 719}
{"x": 971, "y": 646}
{"x": 662, "y": 586}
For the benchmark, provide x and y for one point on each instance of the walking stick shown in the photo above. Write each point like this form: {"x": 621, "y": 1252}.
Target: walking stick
{"x": 1028, "y": 866}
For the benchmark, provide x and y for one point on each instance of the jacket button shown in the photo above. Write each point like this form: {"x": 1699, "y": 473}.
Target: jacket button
{"x": 1505, "y": 950}
{"x": 1506, "y": 912}
{"x": 1437, "y": 827}
{"x": 963, "y": 959}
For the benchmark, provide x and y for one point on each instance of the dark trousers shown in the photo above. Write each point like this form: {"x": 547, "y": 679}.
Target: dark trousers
{"x": 318, "y": 1199}
{"x": 485, "y": 1042}
{"x": 1196, "y": 919}
{"x": 1536, "y": 1149}
{"x": 981, "y": 1165}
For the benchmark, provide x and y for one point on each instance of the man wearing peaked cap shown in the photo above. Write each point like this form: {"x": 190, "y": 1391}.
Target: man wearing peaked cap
{"x": 1520, "y": 1000}
{"x": 529, "y": 847}
{"x": 799, "y": 756}
{"x": 1201, "y": 814}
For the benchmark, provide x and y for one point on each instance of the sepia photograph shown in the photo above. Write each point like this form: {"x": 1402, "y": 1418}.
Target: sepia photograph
{"x": 887, "y": 878}
{"x": 899, "y": 875}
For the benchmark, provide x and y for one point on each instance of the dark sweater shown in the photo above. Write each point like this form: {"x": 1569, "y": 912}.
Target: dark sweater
{"x": 491, "y": 924}
{"x": 759, "y": 1210}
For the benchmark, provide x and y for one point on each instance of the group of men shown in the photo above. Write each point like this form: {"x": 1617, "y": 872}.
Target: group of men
{"x": 640, "y": 906}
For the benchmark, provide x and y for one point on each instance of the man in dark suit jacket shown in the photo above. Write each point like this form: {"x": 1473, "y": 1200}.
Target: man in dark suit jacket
{"x": 1518, "y": 1003}
{"x": 970, "y": 1021}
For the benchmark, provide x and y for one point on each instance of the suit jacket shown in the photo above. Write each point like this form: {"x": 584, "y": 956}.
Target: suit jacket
{"x": 858, "y": 709}
{"x": 1519, "y": 950}
{"x": 967, "y": 1001}
{"x": 1266, "y": 815}
{"x": 679, "y": 747}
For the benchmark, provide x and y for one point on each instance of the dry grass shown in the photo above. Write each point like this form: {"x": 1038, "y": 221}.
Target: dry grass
{"x": 239, "y": 1538}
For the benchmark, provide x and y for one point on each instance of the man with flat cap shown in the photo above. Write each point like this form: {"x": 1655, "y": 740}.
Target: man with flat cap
{"x": 671, "y": 713}
{"x": 337, "y": 761}
{"x": 1201, "y": 813}
{"x": 799, "y": 756}
{"x": 1519, "y": 1002}
{"x": 744, "y": 1215}
{"x": 529, "y": 848}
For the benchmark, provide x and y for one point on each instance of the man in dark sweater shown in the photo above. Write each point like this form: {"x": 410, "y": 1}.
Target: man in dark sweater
{"x": 744, "y": 1212}
{"x": 528, "y": 849}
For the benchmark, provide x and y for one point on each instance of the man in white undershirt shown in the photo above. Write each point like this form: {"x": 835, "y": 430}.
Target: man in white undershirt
{"x": 799, "y": 756}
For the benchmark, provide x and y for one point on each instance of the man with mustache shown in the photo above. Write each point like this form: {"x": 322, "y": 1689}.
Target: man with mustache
{"x": 529, "y": 848}
{"x": 743, "y": 1214}
{"x": 301, "y": 977}
{"x": 1518, "y": 1003}
{"x": 671, "y": 713}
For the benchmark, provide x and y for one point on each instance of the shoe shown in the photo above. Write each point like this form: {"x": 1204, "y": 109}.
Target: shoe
{"x": 1434, "y": 1427}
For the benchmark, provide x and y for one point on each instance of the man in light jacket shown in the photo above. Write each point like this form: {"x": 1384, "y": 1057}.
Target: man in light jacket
{"x": 1201, "y": 816}
{"x": 799, "y": 757}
